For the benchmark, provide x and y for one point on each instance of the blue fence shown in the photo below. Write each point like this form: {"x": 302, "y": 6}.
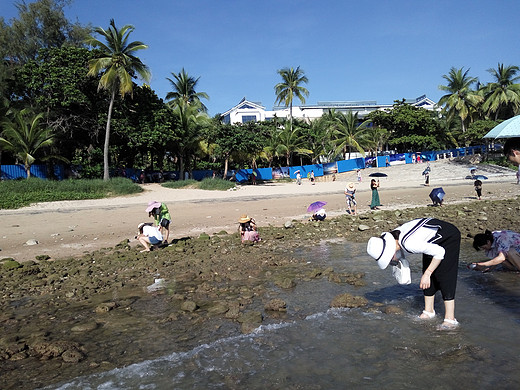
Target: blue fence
{"x": 242, "y": 175}
{"x": 9, "y": 172}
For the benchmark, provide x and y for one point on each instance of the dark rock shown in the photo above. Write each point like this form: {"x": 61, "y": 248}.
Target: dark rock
{"x": 348, "y": 300}
{"x": 276, "y": 305}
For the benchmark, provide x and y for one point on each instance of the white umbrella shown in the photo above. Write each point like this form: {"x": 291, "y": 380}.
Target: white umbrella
{"x": 507, "y": 129}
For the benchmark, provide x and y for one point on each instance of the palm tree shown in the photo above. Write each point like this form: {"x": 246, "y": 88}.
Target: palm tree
{"x": 189, "y": 120}
{"x": 374, "y": 138}
{"x": 289, "y": 141}
{"x": 25, "y": 136}
{"x": 346, "y": 132}
{"x": 290, "y": 87}
{"x": 460, "y": 99}
{"x": 504, "y": 92}
{"x": 184, "y": 89}
{"x": 118, "y": 65}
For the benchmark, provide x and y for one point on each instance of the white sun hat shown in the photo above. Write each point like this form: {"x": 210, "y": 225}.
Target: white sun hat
{"x": 382, "y": 249}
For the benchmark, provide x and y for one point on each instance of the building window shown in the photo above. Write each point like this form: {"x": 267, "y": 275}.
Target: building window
{"x": 248, "y": 118}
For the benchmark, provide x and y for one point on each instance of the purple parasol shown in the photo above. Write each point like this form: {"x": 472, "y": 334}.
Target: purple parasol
{"x": 316, "y": 206}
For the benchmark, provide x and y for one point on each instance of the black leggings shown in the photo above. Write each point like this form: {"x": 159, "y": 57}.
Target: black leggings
{"x": 444, "y": 277}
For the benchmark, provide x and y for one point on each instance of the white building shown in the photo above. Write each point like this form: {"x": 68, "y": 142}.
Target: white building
{"x": 247, "y": 111}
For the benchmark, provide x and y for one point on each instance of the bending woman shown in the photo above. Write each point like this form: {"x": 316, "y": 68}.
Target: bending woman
{"x": 439, "y": 243}
{"x": 503, "y": 246}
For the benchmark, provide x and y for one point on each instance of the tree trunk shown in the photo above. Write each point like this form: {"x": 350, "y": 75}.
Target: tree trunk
{"x": 106, "y": 175}
{"x": 181, "y": 167}
{"x": 225, "y": 167}
{"x": 27, "y": 170}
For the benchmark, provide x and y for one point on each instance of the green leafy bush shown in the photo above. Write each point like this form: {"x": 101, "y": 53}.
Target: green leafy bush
{"x": 19, "y": 193}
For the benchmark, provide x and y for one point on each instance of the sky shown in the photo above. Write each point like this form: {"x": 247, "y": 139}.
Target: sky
{"x": 375, "y": 50}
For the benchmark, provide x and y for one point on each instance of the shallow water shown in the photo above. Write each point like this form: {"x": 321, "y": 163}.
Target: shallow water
{"x": 351, "y": 348}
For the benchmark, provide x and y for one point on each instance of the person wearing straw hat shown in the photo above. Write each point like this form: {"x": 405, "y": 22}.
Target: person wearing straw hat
{"x": 350, "y": 198}
{"x": 439, "y": 243}
{"x": 247, "y": 229}
{"x": 161, "y": 215}
{"x": 148, "y": 235}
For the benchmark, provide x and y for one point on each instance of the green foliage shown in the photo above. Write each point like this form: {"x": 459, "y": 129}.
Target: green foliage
{"x": 206, "y": 184}
{"x": 476, "y": 131}
{"x": 181, "y": 184}
{"x": 40, "y": 24}
{"x": 184, "y": 89}
{"x": 411, "y": 128}
{"x": 216, "y": 184}
{"x": 290, "y": 87}
{"x": 20, "y": 193}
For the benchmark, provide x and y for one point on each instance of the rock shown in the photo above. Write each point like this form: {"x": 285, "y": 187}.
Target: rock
{"x": 391, "y": 309}
{"x": 362, "y": 228}
{"x": 288, "y": 225}
{"x": 72, "y": 356}
{"x": 482, "y": 218}
{"x": 189, "y": 306}
{"x": 105, "y": 307}
{"x": 275, "y": 305}
{"x": 348, "y": 300}
{"x": 204, "y": 236}
{"x": 42, "y": 257}
{"x": 85, "y": 327}
{"x": 285, "y": 283}
{"x": 251, "y": 317}
{"x": 31, "y": 242}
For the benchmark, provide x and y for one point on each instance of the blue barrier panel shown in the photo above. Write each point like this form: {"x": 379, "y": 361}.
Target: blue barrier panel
{"x": 199, "y": 175}
{"x": 261, "y": 174}
{"x": 428, "y": 156}
{"x": 381, "y": 161}
{"x": 330, "y": 168}
{"x": 9, "y": 172}
{"x": 350, "y": 165}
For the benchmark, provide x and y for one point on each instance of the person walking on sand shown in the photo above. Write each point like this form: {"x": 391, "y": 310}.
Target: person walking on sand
{"x": 148, "y": 235}
{"x": 298, "y": 178}
{"x": 350, "y": 198}
{"x": 502, "y": 246}
{"x": 312, "y": 177}
{"x": 374, "y": 185}
{"x": 359, "y": 178}
{"x": 478, "y": 188}
{"x": 439, "y": 243}
{"x": 426, "y": 174}
{"x": 159, "y": 211}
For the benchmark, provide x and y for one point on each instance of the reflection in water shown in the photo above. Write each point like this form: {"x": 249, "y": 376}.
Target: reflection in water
{"x": 351, "y": 348}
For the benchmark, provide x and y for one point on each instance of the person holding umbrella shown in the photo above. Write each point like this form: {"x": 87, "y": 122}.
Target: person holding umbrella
{"x": 374, "y": 185}
{"x": 317, "y": 210}
{"x": 439, "y": 243}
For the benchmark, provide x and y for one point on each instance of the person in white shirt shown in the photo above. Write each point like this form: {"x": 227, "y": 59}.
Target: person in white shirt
{"x": 439, "y": 243}
{"x": 148, "y": 235}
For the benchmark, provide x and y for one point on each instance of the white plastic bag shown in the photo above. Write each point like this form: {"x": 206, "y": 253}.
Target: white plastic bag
{"x": 402, "y": 273}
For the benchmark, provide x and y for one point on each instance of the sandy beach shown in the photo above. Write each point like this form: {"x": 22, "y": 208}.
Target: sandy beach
{"x": 72, "y": 228}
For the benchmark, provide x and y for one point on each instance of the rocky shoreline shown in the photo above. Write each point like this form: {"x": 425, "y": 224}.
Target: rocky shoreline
{"x": 63, "y": 318}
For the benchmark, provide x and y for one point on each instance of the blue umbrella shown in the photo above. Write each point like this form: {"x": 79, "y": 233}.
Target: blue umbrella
{"x": 437, "y": 195}
{"x": 315, "y": 206}
{"x": 507, "y": 129}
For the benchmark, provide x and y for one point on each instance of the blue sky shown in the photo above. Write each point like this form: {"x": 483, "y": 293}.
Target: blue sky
{"x": 349, "y": 50}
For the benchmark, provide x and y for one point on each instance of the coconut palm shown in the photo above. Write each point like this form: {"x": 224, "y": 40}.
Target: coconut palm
{"x": 461, "y": 98}
{"x": 189, "y": 120}
{"x": 346, "y": 132}
{"x": 374, "y": 139}
{"x": 184, "y": 89}
{"x": 289, "y": 142}
{"x": 118, "y": 66}
{"x": 503, "y": 93}
{"x": 25, "y": 136}
{"x": 291, "y": 87}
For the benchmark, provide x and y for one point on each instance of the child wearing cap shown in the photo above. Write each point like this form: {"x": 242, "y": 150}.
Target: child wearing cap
{"x": 439, "y": 243}
{"x": 159, "y": 211}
